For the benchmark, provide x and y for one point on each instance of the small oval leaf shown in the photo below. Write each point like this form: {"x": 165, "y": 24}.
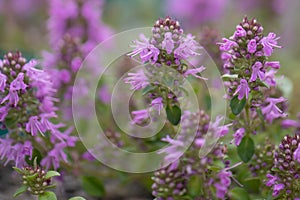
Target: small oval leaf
{"x": 173, "y": 114}
{"x": 77, "y": 198}
{"x": 20, "y": 190}
{"x": 52, "y": 174}
{"x": 47, "y": 196}
{"x": 237, "y": 105}
{"x": 246, "y": 149}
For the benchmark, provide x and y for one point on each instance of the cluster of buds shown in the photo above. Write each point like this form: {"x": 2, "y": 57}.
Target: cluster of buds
{"x": 35, "y": 180}
{"x": 262, "y": 160}
{"x": 169, "y": 184}
{"x": 285, "y": 176}
{"x": 165, "y": 53}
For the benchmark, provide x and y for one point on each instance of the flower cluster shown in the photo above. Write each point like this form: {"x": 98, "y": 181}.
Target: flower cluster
{"x": 262, "y": 160}
{"x": 214, "y": 178}
{"x": 251, "y": 76}
{"x": 166, "y": 53}
{"x": 27, "y": 108}
{"x": 169, "y": 183}
{"x": 285, "y": 176}
{"x": 35, "y": 180}
{"x": 75, "y": 28}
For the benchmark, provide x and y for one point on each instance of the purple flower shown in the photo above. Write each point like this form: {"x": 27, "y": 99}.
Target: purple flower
{"x": 270, "y": 77}
{"x": 297, "y": 154}
{"x": 12, "y": 98}
{"x": 18, "y": 83}
{"x": 173, "y": 151}
{"x": 277, "y": 188}
{"x": 33, "y": 126}
{"x": 225, "y": 177}
{"x": 288, "y": 123}
{"x": 271, "y": 180}
{"x": 5, "y": 147}
{"x": 147, "y": 51}
{"x": 240, "y": 31}
{"x": 157, "y": 104}
{"x": 140, "y": 116}
{"x": 243, "y": 89}
{"x": 168, "y": 43}
{"x": 54, "y": 157}
{"x": 252, "y": 46}
{"x": 217, "y": 129}
{"x": 137, "y": 80}
{"x": 221, "y": 190}
{"x": 238, "y": 136}
{"x": 194, "y": 72}
{"x": 188, "y": 47}
{"x": 271, "y": 111}
{"x": 269, "y": 42}
{"x": 3, "y": 79}
{"x": 3, "y": 112}
{"x": 227, "y": 44}
{"x": 273, "y": 64}
{"x": 257, "y": 71}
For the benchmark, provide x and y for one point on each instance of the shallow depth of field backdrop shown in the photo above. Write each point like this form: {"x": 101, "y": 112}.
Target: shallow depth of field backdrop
{"x": 29, "y": 26}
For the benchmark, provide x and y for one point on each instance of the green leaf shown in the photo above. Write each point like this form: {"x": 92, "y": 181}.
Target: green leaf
{"x": 20, "y": 171}
{"x": 195, "y": 186}
{"x": 93, "y": 186}
{"x": 227, "y": 77}
{"x": 252, "y": 185}
{"x": 20, "y": 190}
{"x": 173, "y": 114}
{"x": 246, "y": 149}
{"x": 52, "y": 174}
{"x": 238, "y": 194}
{"x": 47, "y": 196}
{"x": 77, "y": 198}
{"x": 237, "y": 105}
{"x": 11, "y": 121}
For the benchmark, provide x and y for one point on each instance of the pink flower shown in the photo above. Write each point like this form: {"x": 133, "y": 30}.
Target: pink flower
{"x": 194, "y": 72}
{"x": 273, "y": 64}
{"x": 297, "y": 154}
{"x": 147, "y": 51}
{"x": 18, "y": 83}
{"x": 277, "y": 188}
{"x": 12, "y": 98}
{"x": 227, "y": 44}
{"x": 271, "y": 111}
{"x": 157, "y": 104}
{"x": 243, "y": 89}
{"x": 140, "y": 116}
{"x": 187, "y": 48}
{"x": 252, "y": 46}
{"x": 55, "y": 156}
{"x": 240, "y": 31}
{"x": 271, "y": 180}
{"x": 257, "y": 71}
{"x": 137, "y": 80}
{"x": 3, "y": 79}
{"x": 168, "y": 43}
{"x": 238, "y": 136}
{"x": 269, "y": 42}
{"x": 33, "y": 126}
